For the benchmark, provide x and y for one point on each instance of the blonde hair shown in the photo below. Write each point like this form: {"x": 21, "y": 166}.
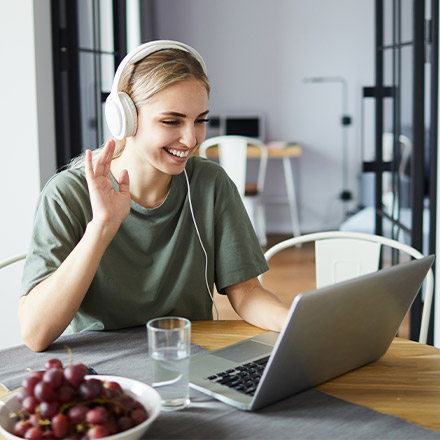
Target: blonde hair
{"x": 142, "y": 80}
{"x": 155, "y": 72}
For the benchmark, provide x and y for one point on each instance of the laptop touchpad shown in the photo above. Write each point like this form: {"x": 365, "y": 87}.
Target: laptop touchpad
{"x": 245, "y": 351}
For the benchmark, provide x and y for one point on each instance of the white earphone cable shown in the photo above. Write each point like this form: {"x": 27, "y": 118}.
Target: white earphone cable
{"x": 201, "y": 244}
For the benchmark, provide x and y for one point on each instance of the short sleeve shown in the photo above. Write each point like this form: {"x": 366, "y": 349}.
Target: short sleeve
{"x": 239, "y": 256}
{"x": 61, "y": 216}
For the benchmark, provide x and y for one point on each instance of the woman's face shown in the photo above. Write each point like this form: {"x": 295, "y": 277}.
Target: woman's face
{"x": 171, "y": 125}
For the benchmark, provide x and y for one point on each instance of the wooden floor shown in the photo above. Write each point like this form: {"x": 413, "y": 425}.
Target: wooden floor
{"x": 292, "y": 271}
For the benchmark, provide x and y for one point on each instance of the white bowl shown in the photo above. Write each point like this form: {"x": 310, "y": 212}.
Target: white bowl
{"x": 140, "y": 391}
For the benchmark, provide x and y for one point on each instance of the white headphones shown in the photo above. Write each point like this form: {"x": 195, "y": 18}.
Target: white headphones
{"x": 120, "y": 111}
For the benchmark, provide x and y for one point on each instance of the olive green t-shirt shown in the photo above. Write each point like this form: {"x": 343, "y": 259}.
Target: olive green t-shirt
{"x": 155, "y": 265}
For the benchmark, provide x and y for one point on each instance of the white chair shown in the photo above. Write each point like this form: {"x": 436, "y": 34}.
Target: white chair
{"x": 340, "y": 256}
{"x": 10, "y": 282}
{"x": 12, "y": 260}
{"x": 232, "y": 153}
{"x": 405, "y": 148}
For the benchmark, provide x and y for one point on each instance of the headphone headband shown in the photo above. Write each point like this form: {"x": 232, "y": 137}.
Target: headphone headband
{"x": 120, "y": 110}
{"x": 147, "y": 49}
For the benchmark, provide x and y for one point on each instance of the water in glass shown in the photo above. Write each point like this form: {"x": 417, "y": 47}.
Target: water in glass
{"x": 170, "y": 373}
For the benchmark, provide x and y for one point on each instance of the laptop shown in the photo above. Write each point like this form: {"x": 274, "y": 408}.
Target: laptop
{"x": 328, "y": 332}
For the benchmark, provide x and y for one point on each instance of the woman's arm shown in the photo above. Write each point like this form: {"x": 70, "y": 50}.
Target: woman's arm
{"x": 46, "y": 311}
{"x": 257, "y": 305}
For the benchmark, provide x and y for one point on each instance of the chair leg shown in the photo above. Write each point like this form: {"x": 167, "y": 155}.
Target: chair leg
{"x": 261, "y": 224}
{"x": 291, "y": 195}
{"x": 256, "y": 214}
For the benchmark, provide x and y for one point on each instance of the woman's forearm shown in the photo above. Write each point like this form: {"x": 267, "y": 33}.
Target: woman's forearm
{"x": 46, "y": 311}
{"x": 257, "y": 305}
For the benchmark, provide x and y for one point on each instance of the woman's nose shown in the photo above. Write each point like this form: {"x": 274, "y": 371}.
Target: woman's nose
{"x": 188, "y": 136}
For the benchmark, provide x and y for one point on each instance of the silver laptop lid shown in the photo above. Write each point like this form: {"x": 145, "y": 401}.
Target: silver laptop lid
{"x": 328, "y": 332}
{"x": 335, "y": 329}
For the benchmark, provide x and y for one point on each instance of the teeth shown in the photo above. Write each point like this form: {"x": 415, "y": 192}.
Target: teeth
{"x": 178, "y": 153}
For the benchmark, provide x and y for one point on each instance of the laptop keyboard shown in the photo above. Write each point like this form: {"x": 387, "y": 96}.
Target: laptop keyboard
{"x": 244, "y": 378}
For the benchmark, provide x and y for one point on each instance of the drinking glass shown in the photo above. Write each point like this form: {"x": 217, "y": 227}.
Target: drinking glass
{"x": 169, "y": 341}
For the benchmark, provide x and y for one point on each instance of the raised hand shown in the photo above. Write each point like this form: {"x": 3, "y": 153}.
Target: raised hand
{"x": 109, "y": 207}
{"x": 50, "y": 306}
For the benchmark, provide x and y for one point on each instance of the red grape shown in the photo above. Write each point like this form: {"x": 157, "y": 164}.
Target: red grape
{"x": 128, "y": 401}
{"x": 97, "y": 415}
{"x": 21, "y": 427}
{"x": 111, "y": 426}
{"x": 22, "y": 394}
{"x": 97, "y": 431}
{"x": 125, "y": 423}
{"x": 37, "y": 374}
{"x": 29, "y": 382}
{"x": 53, "y": 363}
{"x": 77, "y": 414}
{"x": 34, "y": 433}
{"x": 74, "y": 374}
{"x": 54, "y": 377}
{"x": 138, "y": 416}
{"x": 91, "y": 388}
{"x": 60, "y": 403}
{"x": 44, "y": 392}
{"x": 49, "y": 409}
{"x": 65, "y": 393}
{"x": 29, "y": 404}
{"x": 34, "y": 419}
{"x": 114, "y": 386}
{"x": 60, "y": 425}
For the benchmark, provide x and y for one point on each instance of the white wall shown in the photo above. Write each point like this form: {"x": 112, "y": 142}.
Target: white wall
{"x": 28, "y": 157}
{"x": 258, "y": 52}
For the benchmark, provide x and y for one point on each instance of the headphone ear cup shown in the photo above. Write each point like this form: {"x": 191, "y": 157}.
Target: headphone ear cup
{"x": 130, "y": 113}
{"x": 121, "y": 115}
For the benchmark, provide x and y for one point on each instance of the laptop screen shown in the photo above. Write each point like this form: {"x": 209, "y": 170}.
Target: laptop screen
{"x": 251, "y": 125}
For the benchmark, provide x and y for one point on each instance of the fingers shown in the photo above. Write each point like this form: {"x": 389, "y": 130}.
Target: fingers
{"x": 110, "y": 151}
{"x": 103, "y": 162}
{"x": 88, "y": 165}
{"x": 124, "y": 182}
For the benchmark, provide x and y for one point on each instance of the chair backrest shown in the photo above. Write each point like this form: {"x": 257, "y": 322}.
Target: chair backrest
{"x": 11, "y": 260}
{"x": 405, "y": 150}
{"x": 232, "y": 151}
{"x": 10, "y": 283}
{"x": 404, "y": 154}
{"x": 343, "y": 255}
{"x": 339, "y": 259}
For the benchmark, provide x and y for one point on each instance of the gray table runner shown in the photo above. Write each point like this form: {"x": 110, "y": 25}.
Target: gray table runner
{"x": 308, "y": 415}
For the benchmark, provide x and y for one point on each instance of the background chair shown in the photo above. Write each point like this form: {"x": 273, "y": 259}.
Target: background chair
{"x": 10, "y": 276}
{"x": 233, "y": 157}
{"x": 340, "y": 256}
{"x": 404, "y": 154}
{"x": 12, "y": 260}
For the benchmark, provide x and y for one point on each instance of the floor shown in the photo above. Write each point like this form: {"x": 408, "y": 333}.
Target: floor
{"x": 291, "y": 272}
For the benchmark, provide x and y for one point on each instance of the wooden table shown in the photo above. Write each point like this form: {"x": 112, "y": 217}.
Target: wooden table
{"x": 405, "y": 382}
{"x": 292, "y": 150}
{"x": 285, "y": 154}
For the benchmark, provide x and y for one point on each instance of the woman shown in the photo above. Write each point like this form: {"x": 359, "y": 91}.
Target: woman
{"x": 145, "y": 227}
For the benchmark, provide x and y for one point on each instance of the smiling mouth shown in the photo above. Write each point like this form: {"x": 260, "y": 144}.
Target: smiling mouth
{"x": 178, "y": 153}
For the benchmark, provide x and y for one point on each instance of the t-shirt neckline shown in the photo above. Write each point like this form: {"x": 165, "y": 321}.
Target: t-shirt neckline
{"x": 142, "y": 209}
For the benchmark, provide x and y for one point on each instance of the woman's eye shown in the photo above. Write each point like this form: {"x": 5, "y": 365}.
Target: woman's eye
{"x": 174, "y": 122}
{"x": 202, "y": 121}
